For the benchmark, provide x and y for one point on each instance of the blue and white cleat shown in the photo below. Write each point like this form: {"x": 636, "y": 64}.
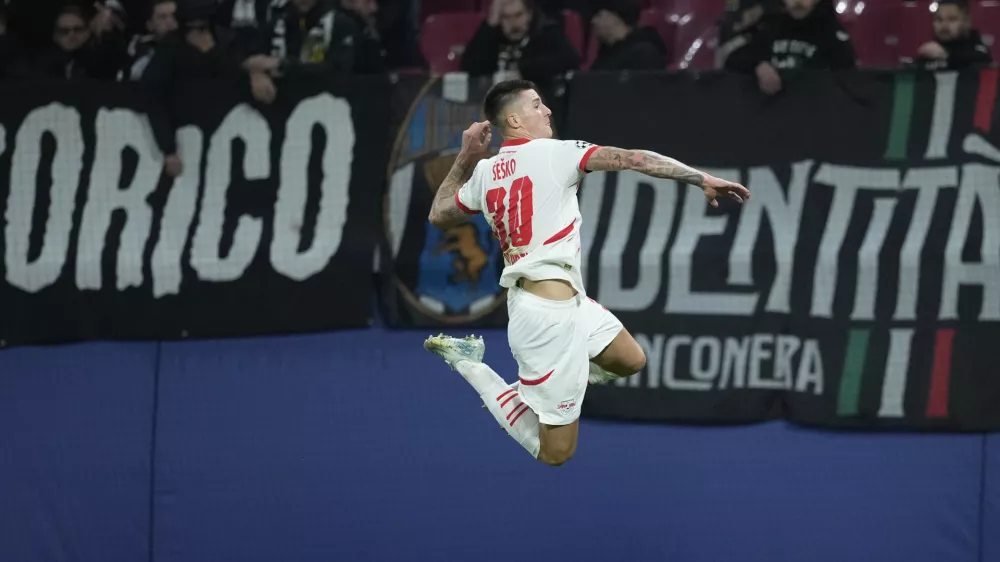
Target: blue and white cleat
{"x": 453, "y": 350}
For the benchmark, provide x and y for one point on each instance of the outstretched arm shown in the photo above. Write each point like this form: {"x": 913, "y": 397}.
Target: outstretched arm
{"x": 611, "y": 159}
{"x": 445, "y": 212}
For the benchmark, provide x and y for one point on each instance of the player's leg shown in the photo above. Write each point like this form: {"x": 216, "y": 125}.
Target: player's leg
{"x": 613, "y": 351}
{"x": 557, "y": 443}
{"x": 549, "y": 342}
{"x": 502, "y": 400}
{"x": 557, "y": 402}
{"x": 623, "y": 356}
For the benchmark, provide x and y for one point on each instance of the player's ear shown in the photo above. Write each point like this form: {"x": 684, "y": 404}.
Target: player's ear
{"x": 512, "y": 120}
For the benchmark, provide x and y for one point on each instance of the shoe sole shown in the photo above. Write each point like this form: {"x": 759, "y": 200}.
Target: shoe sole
{"x": 434, "y": 343}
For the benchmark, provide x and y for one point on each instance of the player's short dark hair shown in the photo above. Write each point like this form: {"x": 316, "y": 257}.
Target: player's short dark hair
{"x": 962, "y": 5}
{"x": 501, "y": 94}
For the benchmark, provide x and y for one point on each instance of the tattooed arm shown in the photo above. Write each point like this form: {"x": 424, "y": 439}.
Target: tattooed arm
{"x": 446, "y": 211}
{"x": 611, "y": 159}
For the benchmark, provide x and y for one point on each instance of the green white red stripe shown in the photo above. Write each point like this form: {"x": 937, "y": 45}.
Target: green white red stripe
{"x": 897, "y": 365}
{"x": 896, "y": 370}
{"x": 944, "y": 110}
{"x": 904, "y": 94}
{"x": 895, "y": 373}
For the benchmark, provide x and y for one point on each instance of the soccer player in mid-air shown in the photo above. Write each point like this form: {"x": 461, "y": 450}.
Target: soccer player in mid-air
{"x": 561, "y": 339}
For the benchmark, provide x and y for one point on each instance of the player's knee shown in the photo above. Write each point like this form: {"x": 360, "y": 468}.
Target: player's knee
{"x": 557, "y": 455}
{"x": 555, "y": 458}
{"x": 637, "y": 361}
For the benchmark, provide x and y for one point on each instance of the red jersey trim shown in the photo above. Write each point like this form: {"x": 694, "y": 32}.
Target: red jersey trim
{"x": 464, "y": 209}
{"x": 537, "y": 381}
{"x": 515, "y": 142}
{"x": 586, "y": 156}
{"x": 560, "y": 235}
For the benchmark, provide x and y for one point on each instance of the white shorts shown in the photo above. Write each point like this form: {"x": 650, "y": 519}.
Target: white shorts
{"x": 553, "y": 342}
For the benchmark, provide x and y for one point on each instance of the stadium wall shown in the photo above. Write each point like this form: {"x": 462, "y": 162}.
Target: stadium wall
{"x": 357, "y": 446}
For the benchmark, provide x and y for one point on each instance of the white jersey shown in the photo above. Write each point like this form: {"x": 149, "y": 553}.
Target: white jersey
{"x": 528, "y": 195}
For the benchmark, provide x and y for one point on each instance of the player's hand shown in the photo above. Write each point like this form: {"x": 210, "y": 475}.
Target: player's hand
{"x": 476, "y": 139}
{"x": 172, "y": 165}
{"x": 768, "y": 78}
{"x": 263, "y": 87}
{"x": 718, "y": 187}
{"x": 933, "y": 50}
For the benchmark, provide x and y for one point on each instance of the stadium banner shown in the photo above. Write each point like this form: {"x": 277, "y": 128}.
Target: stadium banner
{"x": 432, "y": 278}
{"x": 859, "y": 287}
{"x": 269, "y": 229}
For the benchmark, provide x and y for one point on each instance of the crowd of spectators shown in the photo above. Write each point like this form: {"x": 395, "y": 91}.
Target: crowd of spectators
{"x": 161, "y": 42}
{"x": 121, "y": 39}
{"x": 765, "y": 36}
{"x": 124, "y": 40}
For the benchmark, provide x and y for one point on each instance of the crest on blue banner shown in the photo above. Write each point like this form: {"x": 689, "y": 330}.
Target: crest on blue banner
{"x": 449, "y": 276}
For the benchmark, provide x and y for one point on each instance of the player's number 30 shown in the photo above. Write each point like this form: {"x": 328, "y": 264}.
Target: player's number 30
{"x": 519, "y": 219}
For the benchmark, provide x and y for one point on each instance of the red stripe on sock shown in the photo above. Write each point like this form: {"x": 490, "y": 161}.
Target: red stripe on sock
{"x": 986, "y": 99}
{"x": 509, "y": 398}
{"x": 523, "y": 410}
{"x": 519, "y": 410}
{"x": 509, "y": 390}
{"x": 937, "y": 400}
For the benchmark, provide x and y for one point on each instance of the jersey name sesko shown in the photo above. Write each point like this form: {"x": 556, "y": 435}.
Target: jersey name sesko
{"x": 528, "y": 195}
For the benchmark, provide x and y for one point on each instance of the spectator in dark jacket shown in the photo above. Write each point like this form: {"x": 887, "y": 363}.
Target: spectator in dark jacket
{"x": 517, "y": 42}
{"x": 399, "y": 35}
{"x": 315, "y": 38}
{"x": 623, "y": 46}
{"x": 197, "y": 51}
{"x": 739, "y": 26}
{"x": 807, "y": 36}
{"x": 249, "y": 20}
{"x": 83, "y": 47}
{"x": 956, "y": 45}
{"x": 162, "y": 21}
{"x": 369, "y": 52}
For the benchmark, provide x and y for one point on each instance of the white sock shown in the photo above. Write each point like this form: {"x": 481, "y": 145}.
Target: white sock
{"x": 599, "y": 375}
{"x": 503, "y": 401}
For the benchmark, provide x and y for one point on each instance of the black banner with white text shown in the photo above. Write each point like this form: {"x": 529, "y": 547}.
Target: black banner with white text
{"x": 859, "y": 287}
{"x": 269, "y": 229}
